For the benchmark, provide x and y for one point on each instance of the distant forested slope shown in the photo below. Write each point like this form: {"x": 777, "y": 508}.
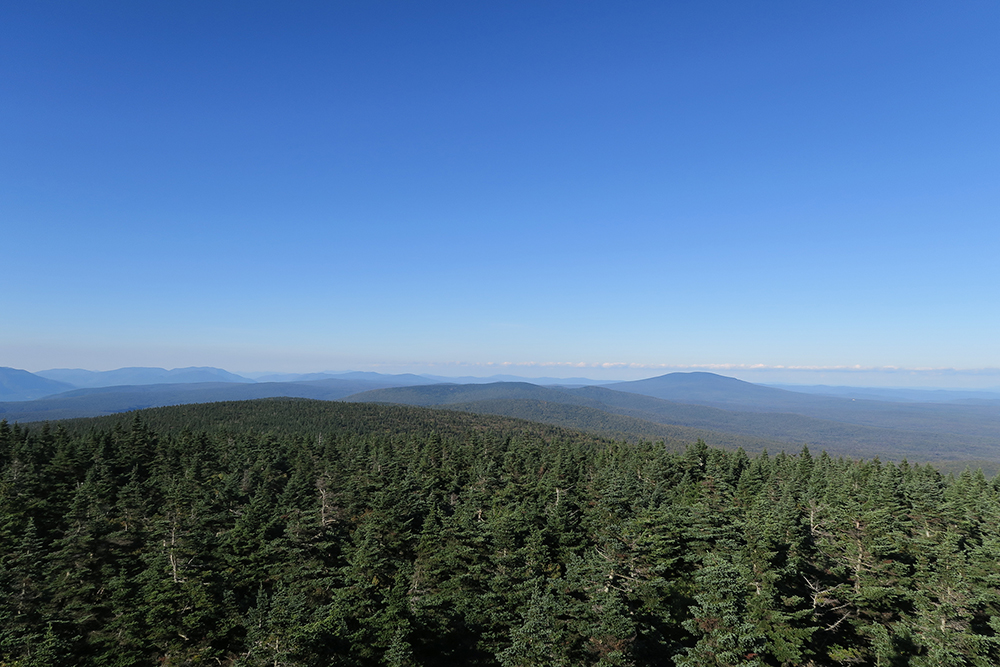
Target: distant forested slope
{"x": 301, "y": 416}
{"x": 964, "y": 418}
{"x": 964, "y": 434}
{"x": 613, "y": 425}
{"x": 112, "y": 400}
{"x": 292, "y": 532}
{"x": 721, "y": 411}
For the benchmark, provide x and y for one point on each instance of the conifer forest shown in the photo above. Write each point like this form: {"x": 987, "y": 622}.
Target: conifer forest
{"x": 297, "y": 532}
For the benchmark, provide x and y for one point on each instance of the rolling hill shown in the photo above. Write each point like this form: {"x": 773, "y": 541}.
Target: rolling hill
{"x": 18, "y": 385}
{"x": 978, "y": 419}
{"x": 110, "y": 400}
{"x": 939, "y": 433}
{"x": 678, "y": 407}
{"x": 725, "y": 392}
{"x": 611, "y": 425}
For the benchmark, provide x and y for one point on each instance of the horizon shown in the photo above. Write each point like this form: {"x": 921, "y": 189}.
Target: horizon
{"x": 989, "y": 379}
{"x": 787, "y": 194}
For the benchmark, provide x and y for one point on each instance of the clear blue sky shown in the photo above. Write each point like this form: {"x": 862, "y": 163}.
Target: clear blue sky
{"x": 451, "y": 187}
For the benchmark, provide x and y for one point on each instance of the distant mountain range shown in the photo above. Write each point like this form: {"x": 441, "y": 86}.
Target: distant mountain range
{"x": 18, "y": 385}
{"x": 897, "y": 394}
{"x": 675, "y": 408}
{"x": 730, "y": 410}
{"x": 109, "y": 400}
{"x": 401, "y": 380}
{"x": 80, "y": 378}
{"x": 544, "y": 381}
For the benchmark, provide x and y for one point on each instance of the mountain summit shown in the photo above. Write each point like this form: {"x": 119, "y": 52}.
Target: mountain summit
{"x": 18, "y": 385}
{"x": 724, "y": 392}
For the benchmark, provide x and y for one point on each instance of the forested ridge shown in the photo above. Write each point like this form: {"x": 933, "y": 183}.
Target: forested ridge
{"x": 286, "y": 533}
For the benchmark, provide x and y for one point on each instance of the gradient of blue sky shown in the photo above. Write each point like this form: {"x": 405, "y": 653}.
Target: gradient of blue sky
{"x": 442, "y": 186}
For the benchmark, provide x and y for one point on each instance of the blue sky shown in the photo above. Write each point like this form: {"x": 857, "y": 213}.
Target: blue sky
{"x": 596, "y": 189}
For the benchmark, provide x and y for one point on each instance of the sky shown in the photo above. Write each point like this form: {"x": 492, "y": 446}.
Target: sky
{"x": 786, "y": 191}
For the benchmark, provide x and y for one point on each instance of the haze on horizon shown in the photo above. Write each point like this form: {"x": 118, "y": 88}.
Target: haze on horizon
{"x": 783, "y": 193}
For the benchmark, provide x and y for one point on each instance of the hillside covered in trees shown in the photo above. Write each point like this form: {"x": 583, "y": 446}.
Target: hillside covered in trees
{"x": 292, "y": 532}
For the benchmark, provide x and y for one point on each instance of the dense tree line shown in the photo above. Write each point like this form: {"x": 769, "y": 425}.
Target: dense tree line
{"x": 480, "y": 543}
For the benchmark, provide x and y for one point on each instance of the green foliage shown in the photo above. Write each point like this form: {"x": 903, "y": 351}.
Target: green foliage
{"x": 294, "y": 532}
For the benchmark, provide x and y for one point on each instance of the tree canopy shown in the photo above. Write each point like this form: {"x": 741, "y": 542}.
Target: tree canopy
{"x": 269, "y": 533}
